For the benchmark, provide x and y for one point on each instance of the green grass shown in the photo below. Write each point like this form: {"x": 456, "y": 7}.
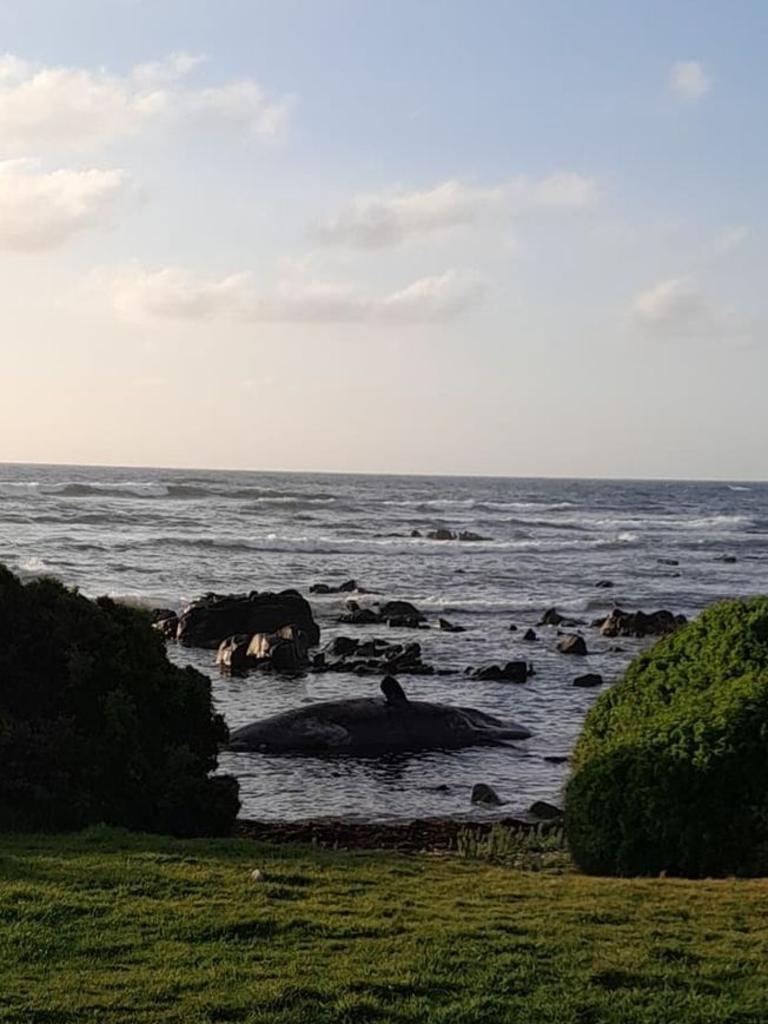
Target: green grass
{"x": 106, "y": 927}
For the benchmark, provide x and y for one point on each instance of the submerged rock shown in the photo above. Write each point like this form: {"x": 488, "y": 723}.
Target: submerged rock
{"x": 401, "y": 614}
{"x": 511, "y": 672}
{"x": 449, "y": 627}
{"x": 344, "y": 588}
{"x": 552, "y": 617}
{"x": 588, "y": 680}
{"x": 372, "y": 657}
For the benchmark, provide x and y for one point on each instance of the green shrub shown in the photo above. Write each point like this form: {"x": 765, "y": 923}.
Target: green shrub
{"x": 97, "y": 725}
{"x": 671, "y": 771}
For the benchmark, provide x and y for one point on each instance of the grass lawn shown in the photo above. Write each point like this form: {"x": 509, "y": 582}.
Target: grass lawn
{"x": 109, "y": 927}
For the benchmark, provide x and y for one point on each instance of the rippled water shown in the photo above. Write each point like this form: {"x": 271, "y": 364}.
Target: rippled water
{"x": 163, "y": 537}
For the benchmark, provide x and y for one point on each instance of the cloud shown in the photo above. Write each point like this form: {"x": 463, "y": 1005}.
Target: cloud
{"x": 46, "y": 107}
{"x": 689, "y": 80}
{"x": 177, "y": 294}
{"x": 40, "y": 210}
{"x": 679, "y": 308}
{"x": 390, "y": 218}
{"x": 730, "y": 239}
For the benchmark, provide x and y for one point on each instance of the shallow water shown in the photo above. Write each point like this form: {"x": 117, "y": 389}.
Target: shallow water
{"x": 162, "y": 537}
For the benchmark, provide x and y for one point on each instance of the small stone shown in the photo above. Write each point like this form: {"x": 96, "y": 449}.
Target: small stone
{"x": 604, "y": 584}
{"x": 530, "y": 635}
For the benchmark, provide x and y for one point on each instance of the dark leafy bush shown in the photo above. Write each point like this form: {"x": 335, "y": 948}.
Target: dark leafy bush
{"x": 671, "y": 771}
{"x": 97, "y": 725}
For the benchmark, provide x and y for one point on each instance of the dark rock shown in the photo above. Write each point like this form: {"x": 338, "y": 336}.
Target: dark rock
{"x": 232, "y": 655}
{"x": 552, "y": 617}
{"x": 667, "y": 561}
{"x": 727, "y": 559}
{"x": 605, "y": 584}
{"x": 511, "y": 672}
{"x": 513, "y": 628}
{"x": 450, "y": 627}
{"x": 416, "y": 533}
{"x": 359, "y": 617}
{"x": 441, "y": 534}
{"x": 166, "y": 622}
{"x": 530, "y": 635}
{"x": 556, "y": 758}
{"x": 345, "y": 588}
{"x": 597, "y": 623}
{"x": 375, "y": 657}
{"x": 542, "y": 809}
{"x": 640, "y": 624}
{"x": 213, "y": 618}
{"x": 468, "y": 535}
{"x": 404, "y": 622}
{"x": 400, "y": 610}
{"x": 482, "y": 793}
{"x": 588, "y": 680}
{"x": 572, "y": 643}
{"x": 341, "y": 645}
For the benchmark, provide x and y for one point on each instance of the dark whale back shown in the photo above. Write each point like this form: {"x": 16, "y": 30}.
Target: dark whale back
{"x": 372, "y": 726}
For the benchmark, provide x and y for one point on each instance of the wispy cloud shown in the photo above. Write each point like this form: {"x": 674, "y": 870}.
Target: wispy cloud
{"x": 39, "y": 210}
{"x": 679, "y": 307}
{"x": 688, "y": 80}
{"x": 383, "y": 219}
{"x": 175, "y": 293}
{"x": 45, "y": 108}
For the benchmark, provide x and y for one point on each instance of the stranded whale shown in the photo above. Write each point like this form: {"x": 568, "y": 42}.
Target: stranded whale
{"x": 374, "y": 725}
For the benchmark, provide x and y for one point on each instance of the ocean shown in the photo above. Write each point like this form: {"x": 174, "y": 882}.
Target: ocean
{"x": 162, "y": 537}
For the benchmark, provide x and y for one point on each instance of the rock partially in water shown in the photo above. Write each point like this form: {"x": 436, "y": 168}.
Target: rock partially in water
{"x": 552, "y": 617}
{"x": 400, "y": 614}
{"x": 371, "y": 657}
{"x": 214, "y": 617}
{"x": 727, "y": 559}
{"x": 511, "y": 672}
{"x": 605, "y": 584}
{"x": 285, "y": 650}
{"x": 482, "y": 793}
{"x": 530, "y": 635}
{"x": 166, "y": 622}
{"x": 449, "y": 627}
{"x": 572, "y": 643}
{"x": 344, "y": 588}
{"x": 640, "y": 624}
{"x": 589, "y": 680}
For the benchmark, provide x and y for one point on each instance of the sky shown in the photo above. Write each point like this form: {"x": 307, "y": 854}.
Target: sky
{"x": 513, "y": 237}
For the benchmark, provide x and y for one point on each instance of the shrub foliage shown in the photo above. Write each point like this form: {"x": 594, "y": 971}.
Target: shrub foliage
{"x": 671, "y": 771}
{"x": 97, "y": 725}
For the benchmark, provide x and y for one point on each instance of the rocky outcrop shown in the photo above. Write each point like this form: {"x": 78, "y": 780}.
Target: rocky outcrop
{"x": 371, "y": 658}
{"x": 166, "y": 622}
{"x": 552, "y": 617}
{"x": 572, "y": 643}
{"x": 350, "y": 587}
{"x": 511, "y": 672}
{"x": 285, "y": 650}
{"x": 210, "y": 620}
{"x": 443, "y": 534}
{"x": 393, "y": 613}
{"x": 545, "y": 811}
{"x": 640, "y": 624}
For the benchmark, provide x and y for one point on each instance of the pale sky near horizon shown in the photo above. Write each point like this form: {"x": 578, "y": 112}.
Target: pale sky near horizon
{"x": 432, "y": 236}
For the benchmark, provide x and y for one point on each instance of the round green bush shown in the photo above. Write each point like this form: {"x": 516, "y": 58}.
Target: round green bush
{"x": 97, "y": 725}
{"x": 671, "y": 771}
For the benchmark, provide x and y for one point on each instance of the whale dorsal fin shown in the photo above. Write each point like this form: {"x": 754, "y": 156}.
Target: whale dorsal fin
{"x": 393, "y": 691}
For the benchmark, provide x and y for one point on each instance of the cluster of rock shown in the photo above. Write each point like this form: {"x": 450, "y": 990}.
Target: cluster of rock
{"x": 349, "y": 587}
{"x": 286, "y": 650}
{"x": 213, "y": 618}
{"x": 639, "y": 624}
{"x": 392, "y": 613}
{"x": 510, "y": 672}
{"x": 371, "y": 658}
{"x": 444, "y": 534}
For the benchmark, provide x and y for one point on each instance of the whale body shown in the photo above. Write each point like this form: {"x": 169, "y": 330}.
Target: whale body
{"x": 373, "y": 725}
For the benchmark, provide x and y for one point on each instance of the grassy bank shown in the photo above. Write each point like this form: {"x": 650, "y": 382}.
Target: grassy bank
{"x": 114, "y": 928}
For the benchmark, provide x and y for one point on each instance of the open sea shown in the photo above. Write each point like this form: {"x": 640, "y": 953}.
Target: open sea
{"x": 163, "y": 537}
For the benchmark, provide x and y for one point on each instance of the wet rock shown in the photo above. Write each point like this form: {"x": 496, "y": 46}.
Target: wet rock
{"x": 373, "y": 657}
{"x": 401, "y": 614}
{"x": 166, "y": 622}
{"x": 605, "y": 584}
{"x": 572, "y": 643}
{"x": 513, "y": 628}
{"x": 640, "y": 624}
{"x": 344, "y": 588}
{"x": 667, "y": 561}
{"x": 588, "y": 680}
{"x": 464, "y": 535}
{"x": 727, "y": 559}
{"x": 341, "y": 645}
{"x": 449, "y": 627}
{"x": 416, "y": 533}
{"x": 482, "y": 793}
{"x": 530, "y": 635}
{"x": 211, "y": 619}
{"x": 552, "y": 617}
{"x": 544, "y": 810}
{"x": 232, "y": 655}
{"x": 511, "y": 672}
{"x": 557, "y": 758}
